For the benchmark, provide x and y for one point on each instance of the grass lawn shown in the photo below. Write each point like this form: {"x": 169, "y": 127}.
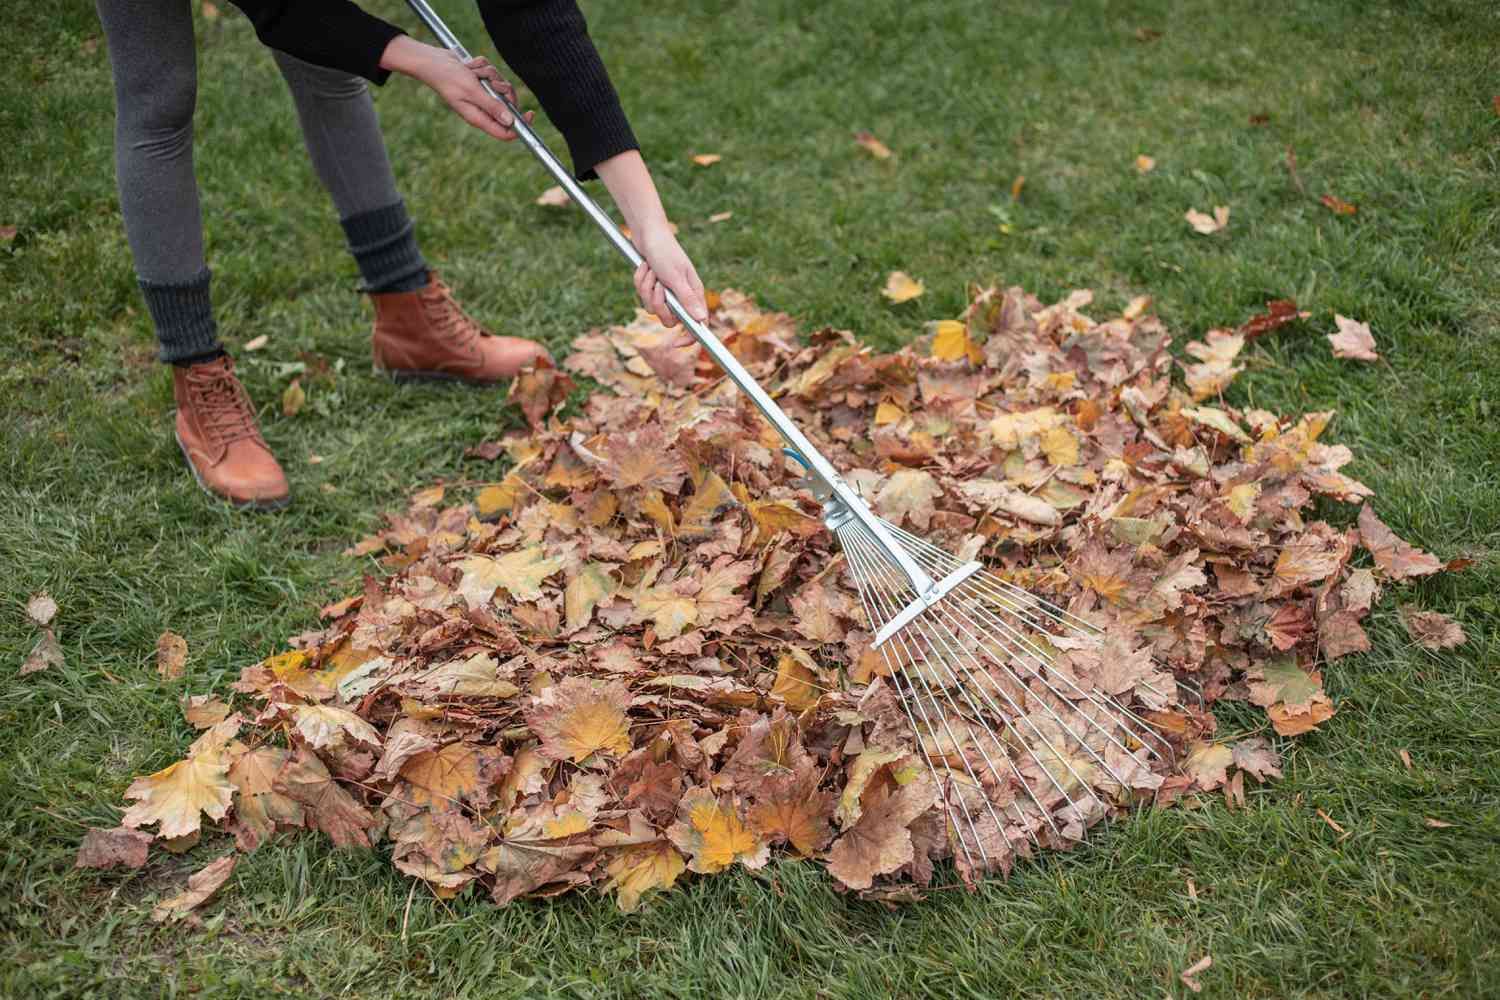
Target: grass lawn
{"x": 1387, "y": 105}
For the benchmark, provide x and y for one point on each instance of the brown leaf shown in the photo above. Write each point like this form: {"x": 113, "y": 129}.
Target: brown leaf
{"x": 293, "y": 398}
{"x": 1279, "y": 312}
{"x": 47, "y": 652}
{"x": 1435, "y": 824}
{"x": 201, "y": 884}
{"x": 796, "y": 683}
{"x": 121, "y": 846}
{"x": 874, "y": 146}
{"x": 171, "y": 655}
{"x": 305, "y": 780}
{"x": 1396, "y": 558}
{"x": 1188, "y": 976}
{"x": 880, "y": 842}
{"x": 1432, "y": 629}
{"x": 203, "y": 711}
{"x": 1337, "y": 206}
{"x": 907, "y": 497}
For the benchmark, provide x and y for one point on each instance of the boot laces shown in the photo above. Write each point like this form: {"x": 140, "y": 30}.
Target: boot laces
{"x": 223, "y": 406}
{"x": 448, "y": 318}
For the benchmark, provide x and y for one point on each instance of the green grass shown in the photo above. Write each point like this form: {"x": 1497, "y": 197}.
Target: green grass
{"x": 1386, "y": 105}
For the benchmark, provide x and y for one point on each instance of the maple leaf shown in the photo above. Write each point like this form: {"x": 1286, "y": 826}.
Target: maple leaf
{"x": 579, "y": 717}
{"x": 1279, "y": 312}
{"x": 203, "y": 711}
{"x": 951, "y": 342}
{"x": 519, "y": 573}
{"x": 642, "y": 460}
{"x": 1304, "y": 560}
{"x": 527, "y": 857}
{"x": 589, "y": 586}
{"x": 1208, "y": 764}
{"x": 819, "y": 612}
{"x": 201, "y": 885}
{"x": 1216, "y": 351}
{"x": 1353, "y": 340}
{"x": 639, "y": 869}
{"x": 178, "y": 796}
{"x": 171, "y": 655}
{"x": 452, "y": 774}
{"x": 796, "y": 683}
{"x": 1256, "y": 757}
{"x": 1293, "y": 697}
{"x": 1208, "y": 224}
{"x": 672, "y": 354}
{"x": 118, "y": 847}
{"x": 874, "y": 146}
{"x": 258, "y": 807}
{"x": 792, "y": 810}
{"x": 538, "y": 389}
{"x": 902, "y": 287}
{"x": 325, "y": 726}
{"x": 908, "y": 496}
{"x": 880, "y": 842}
{"x": 713, "y": 834}
{"x": 719, "y": 587}
{"x": 306, "y": 781}
{"x": 1432, "y": 629}
{"x": 701, "y": 515}
{"x": 1398, "y": 560}
{"x": 475, "y": 676}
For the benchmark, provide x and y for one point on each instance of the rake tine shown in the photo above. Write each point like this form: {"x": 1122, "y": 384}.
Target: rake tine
{"x": 973, "y": 831}
{"x": 881, "y": 575}
{"x": 1017, "y": 713}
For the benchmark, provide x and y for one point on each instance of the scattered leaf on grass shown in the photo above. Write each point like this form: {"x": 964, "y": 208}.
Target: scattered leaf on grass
{"x": 876, "y": 148}
{"x": 47, "y": 652}
{"x": 721, "y": 217}
{"x": 1189, "y": 976}
{"x": 204, "y": 711}
{"x": 1396, "y": 558}
{"x": 1279, "y": 312}
{"x": 293, "y": 397}
{"x": 118, "y": 847}
{"x": 1432, "y": 629}
{"x": 1330, "y": 821}
{"x": 1144, "y": 164}
{"x": 1144, "y": 34}
{"x": 1435, "y": 824}
{"x": 41, "y": 609}
{"x": 707, "y": 159}
{"x": 553, "y": 197}
{"x": 201, "y": 885}
{"x": 1208, "y": 224}
{"x": 171, "y": 655}
{"x": 1353, "y": 340}
{"x": 1337, "y": 205}
{"x": 901, "y": 287}
{"x": 178, "y": 796}
{"x": 256, "y": 343}
{"x": 1405, "y": 758}
{"x": 7, "y": 234}
{"x": 1016, "y": 186}
{"x": 1260, "y": 118}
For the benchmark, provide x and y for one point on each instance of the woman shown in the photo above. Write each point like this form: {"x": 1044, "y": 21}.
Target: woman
{"x": 326, "y": 50}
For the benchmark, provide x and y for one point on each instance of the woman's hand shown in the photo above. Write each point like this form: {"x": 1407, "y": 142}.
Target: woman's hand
{"x": 457, "y": 83}
{"x": 667, "y": 267}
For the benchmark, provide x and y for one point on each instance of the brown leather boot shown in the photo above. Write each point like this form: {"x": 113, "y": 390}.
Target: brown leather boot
{"x": 220, "y": 439}
{"x": 426, "y": 335}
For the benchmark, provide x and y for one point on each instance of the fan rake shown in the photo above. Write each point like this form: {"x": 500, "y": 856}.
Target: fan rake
{"x": 1020, "y": 748}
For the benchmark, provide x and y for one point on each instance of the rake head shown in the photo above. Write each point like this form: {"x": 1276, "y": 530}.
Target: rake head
{"x": 1025, "y": 748}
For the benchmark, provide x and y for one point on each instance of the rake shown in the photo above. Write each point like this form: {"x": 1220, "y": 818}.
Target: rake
{"x": 1020, "y": 748}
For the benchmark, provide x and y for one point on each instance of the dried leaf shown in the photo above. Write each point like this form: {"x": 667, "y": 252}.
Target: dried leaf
{"x": 1337, "y": 206}
{"x": 1144, "y": 164}
{"x": 901, "y": 287}
{"x": 293, "y": 398}
{"x": 578, "y": 717}
{"x": 713, "y": 834}
{"x": 180, "y": 795}
{"x": 118, "y": 847}
{"x": 1208, "y": 224}
{"x": 202, "y": 883}
{"x": 1353, "y": 340}
{"x": 1432, "y": 629}
{"x": 1395, "y": 558}
{"x": 47, "y": 652}
{"x": 874, "y": 146}
{"x": 707, "y": 159}
{"x": 171, "y": 655}
{"x": 41, "y": 609}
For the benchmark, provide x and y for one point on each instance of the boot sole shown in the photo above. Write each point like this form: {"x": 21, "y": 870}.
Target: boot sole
{"x": 260, "y": 506}
{"x": 403, "y": 377}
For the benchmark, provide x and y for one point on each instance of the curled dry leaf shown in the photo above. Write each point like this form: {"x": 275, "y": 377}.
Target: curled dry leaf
{"x": 41, "y": 609}
{"x": 46, "y": 652}
{"x": 874, "y": 146}
{"x": 201, "y": 885}
{"x": 553, "y": 197}
{"x": 1208, "y": 224}
{"x": 1432, "y": 629}
{"x": 1337, "y": 205}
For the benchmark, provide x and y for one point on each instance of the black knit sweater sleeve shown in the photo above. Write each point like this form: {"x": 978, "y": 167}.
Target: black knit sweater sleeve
{"x": 333, "y": 33}
{"x": 547, "y": 43}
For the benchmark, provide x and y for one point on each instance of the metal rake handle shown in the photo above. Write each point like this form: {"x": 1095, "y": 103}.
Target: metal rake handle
{"x": 817, "y": 465}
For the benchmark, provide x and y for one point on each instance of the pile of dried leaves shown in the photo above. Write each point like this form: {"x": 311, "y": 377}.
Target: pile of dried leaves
{"x": 638, "y": 652}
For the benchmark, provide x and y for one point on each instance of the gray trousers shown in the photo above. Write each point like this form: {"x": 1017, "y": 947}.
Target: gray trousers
{"x": 154, "y": 61}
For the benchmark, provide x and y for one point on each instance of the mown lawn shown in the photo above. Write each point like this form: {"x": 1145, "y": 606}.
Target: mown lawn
{"x": 1387, "y": 106}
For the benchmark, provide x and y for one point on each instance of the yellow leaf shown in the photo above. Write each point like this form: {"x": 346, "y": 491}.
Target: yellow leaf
{"x": 1060, "y": 446}
{"x": 323, "y": 726}
{"x": 443, "y": 777}
{"x": 178, "y": 795}
{"x": 292, "y": 398}
{"x": 497, "y": 498}
{"x": 654, "y": 506}
{"x": 888, "y": 413}
{"x": 796, "y": 684}
{"x": 1144, "y": 164}
{"x": 1016, "y": 186}
{"x": 639, "y": 869}
{"x": 901, "y": 287}
{"x": 579, "y": 717}
{"x": 520, "y": 573}
{"x": 591, "y": 585}
{"x": 701, "y": 514}
{"x": 671, "y": 612}
{"x": 1241, "y": 500}
{"x": 714, "y": 836}
{"x": 950, "y": 341}
{"x": 721, "y": 217}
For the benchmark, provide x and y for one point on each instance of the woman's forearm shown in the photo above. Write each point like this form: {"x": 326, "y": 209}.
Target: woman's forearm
{"x": 630, "y": 184}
